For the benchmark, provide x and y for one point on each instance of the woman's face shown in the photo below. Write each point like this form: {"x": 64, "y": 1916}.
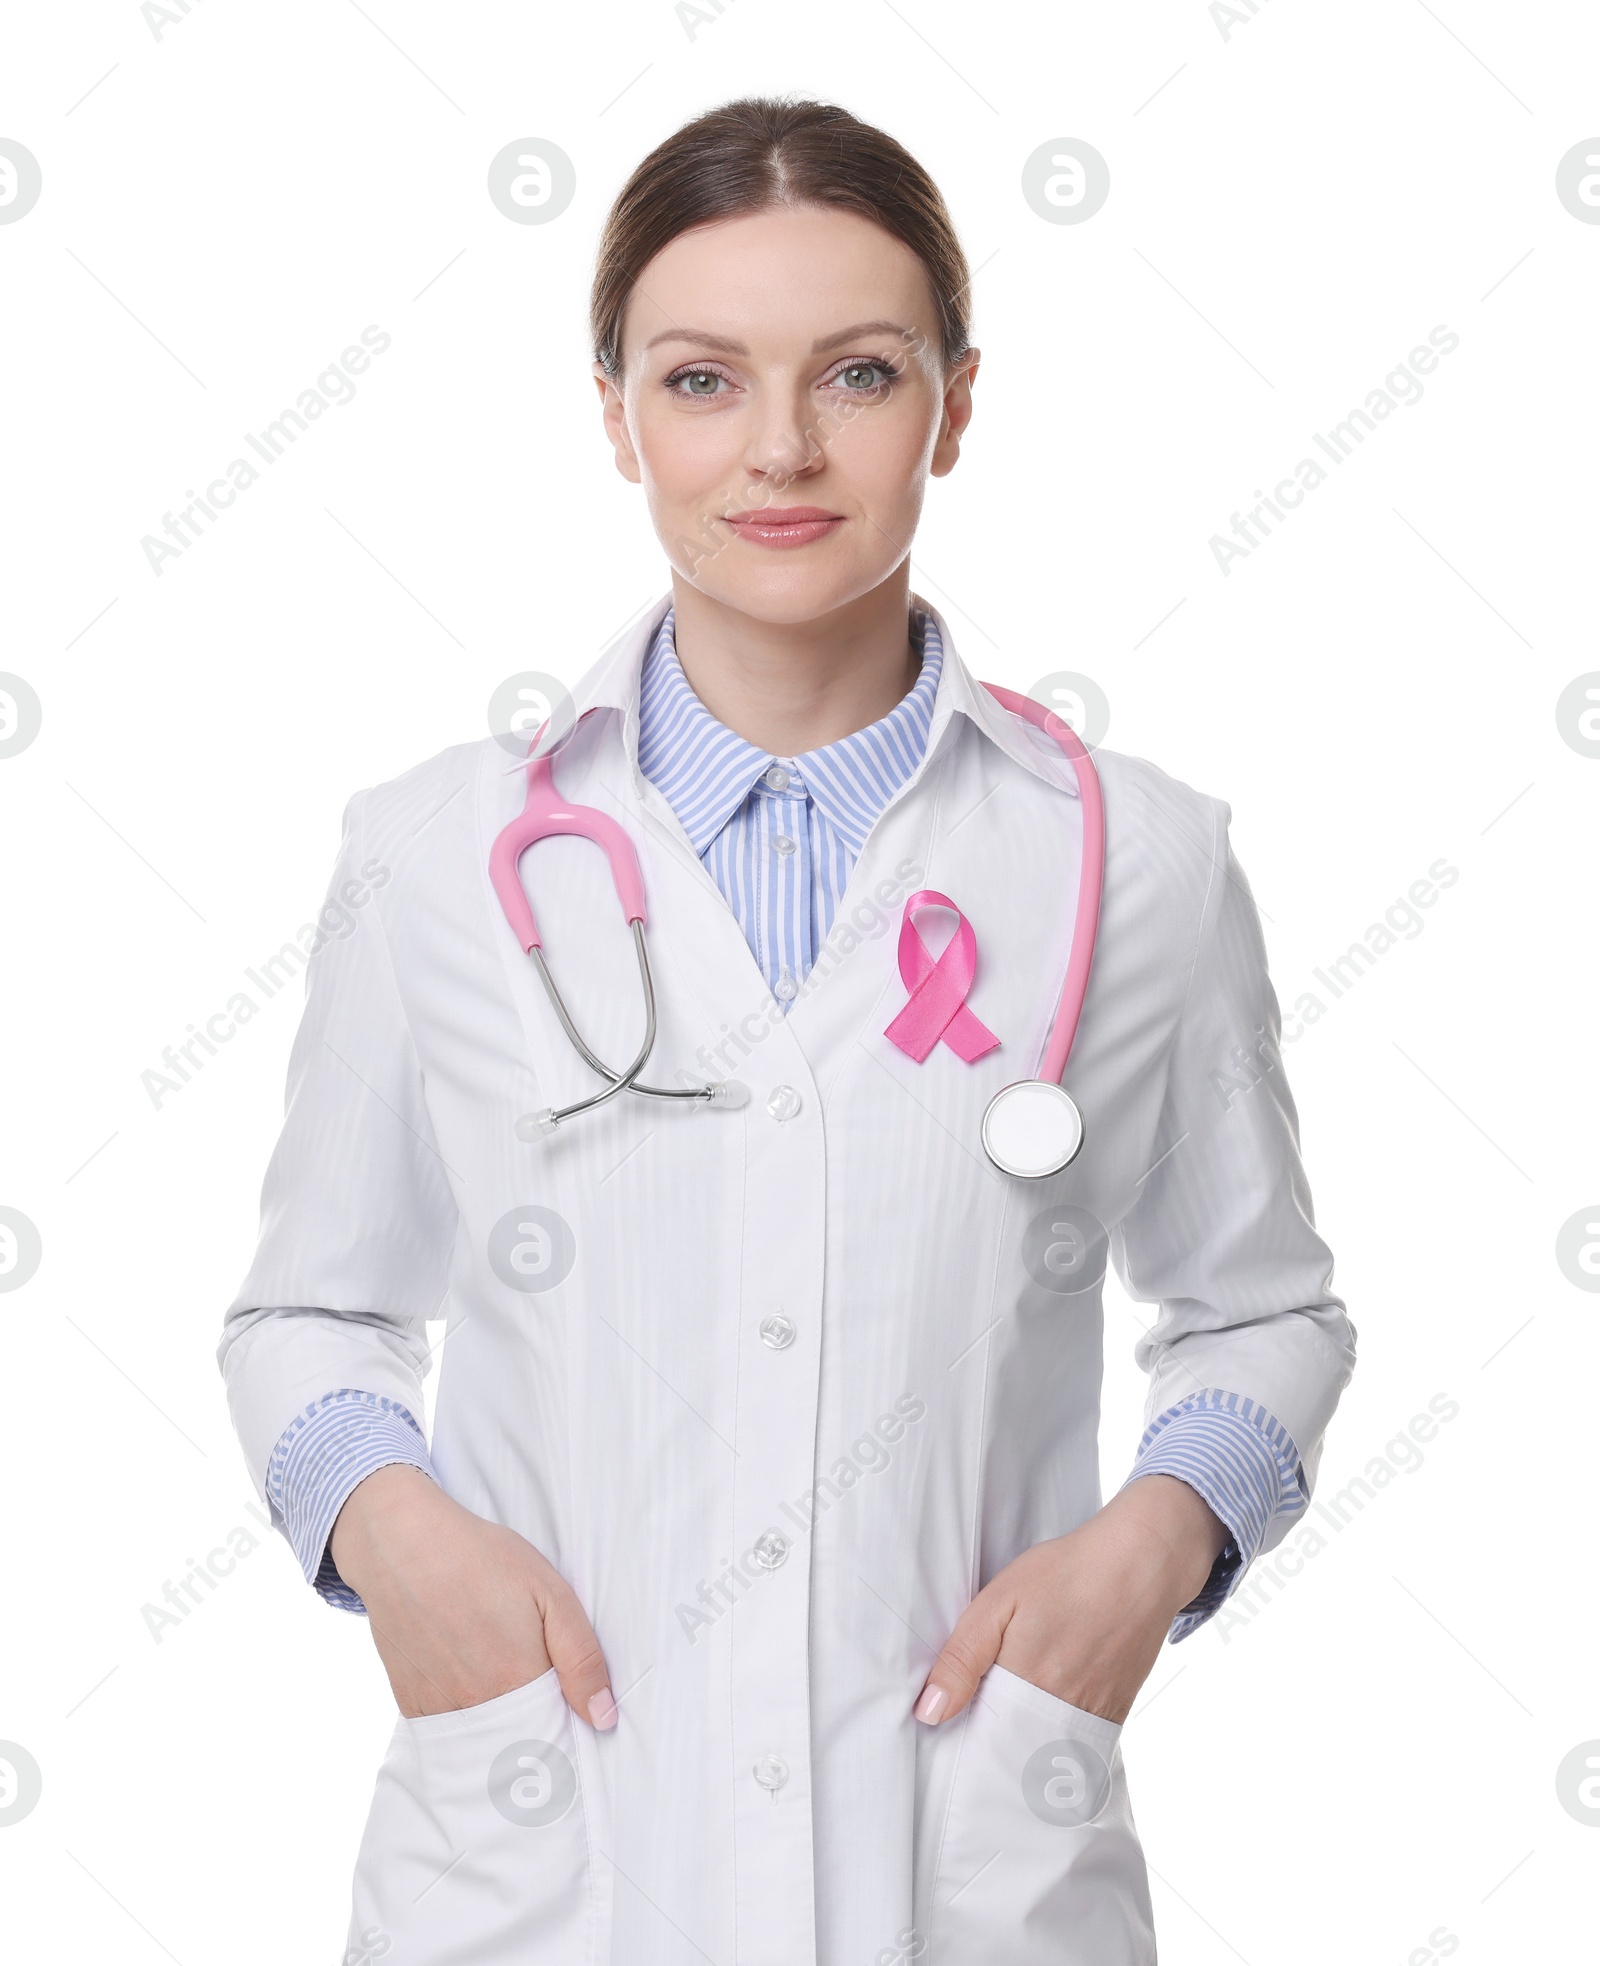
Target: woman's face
{"x": 786, "y": 361}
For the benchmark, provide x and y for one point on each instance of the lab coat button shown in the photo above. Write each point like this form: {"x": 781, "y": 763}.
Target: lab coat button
{"x": 771, "y": 1550}
{"x": 777, "y": 778}
{"x": 778, "y": 1332}
{"x": 772, "y": 1771}
{"x": 783, "y": 1102}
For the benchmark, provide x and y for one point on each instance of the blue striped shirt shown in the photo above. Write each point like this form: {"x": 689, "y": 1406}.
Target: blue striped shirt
{"x": 780, "y": 837}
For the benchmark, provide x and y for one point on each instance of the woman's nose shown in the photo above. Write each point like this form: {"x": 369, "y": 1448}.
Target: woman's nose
{"x": 784, "y": 442}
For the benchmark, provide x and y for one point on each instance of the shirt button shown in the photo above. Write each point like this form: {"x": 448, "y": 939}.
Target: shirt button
{"x": 771, "y": 1771}
{"x": 783, "y": 1102}
{"x": 778, "y": 1332}
{"x": 777, "y": 778}
{"x": 783, "y": 844}
{"x": 785, "y": 987}
{"x": 771, "y": 1549}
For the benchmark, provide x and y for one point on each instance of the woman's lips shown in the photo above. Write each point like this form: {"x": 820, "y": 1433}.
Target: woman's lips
{"x": 789, "y": 525}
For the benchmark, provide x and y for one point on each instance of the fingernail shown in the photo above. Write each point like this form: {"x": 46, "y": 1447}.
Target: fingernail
{"x": 603, "y": 1709}
{"x": 931, "y": 1705}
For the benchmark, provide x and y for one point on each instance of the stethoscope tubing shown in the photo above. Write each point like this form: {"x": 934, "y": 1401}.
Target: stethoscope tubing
{"x": 545, "y": 813}
{"x": 625, "y": 1081}
{"x": 1091, "y": 877}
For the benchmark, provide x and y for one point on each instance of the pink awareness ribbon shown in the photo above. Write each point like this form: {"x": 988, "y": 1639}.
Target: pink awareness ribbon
{"x": 937, "y": 1007}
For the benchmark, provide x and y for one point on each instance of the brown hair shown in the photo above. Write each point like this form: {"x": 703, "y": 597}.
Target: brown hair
{"x": 761, "y": 151}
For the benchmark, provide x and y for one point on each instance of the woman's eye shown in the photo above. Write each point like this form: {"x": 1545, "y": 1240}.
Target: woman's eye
{"x": 861, "y": 378}
{"x": 702, "y": 382}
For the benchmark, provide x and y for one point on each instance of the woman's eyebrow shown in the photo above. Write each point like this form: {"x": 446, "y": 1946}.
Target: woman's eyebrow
{"x": 822, "y": 346}
{"x": 703, "y": 338}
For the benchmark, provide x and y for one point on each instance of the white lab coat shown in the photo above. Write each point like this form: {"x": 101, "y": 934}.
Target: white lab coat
{"x": 606, "y": 1388}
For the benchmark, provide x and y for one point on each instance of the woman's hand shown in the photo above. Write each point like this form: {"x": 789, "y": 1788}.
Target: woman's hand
{"x": 1083, "y": 1616}
{"x": 461, "y": 1609}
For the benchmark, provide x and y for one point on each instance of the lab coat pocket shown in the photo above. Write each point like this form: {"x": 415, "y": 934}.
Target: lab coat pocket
{"x": 476, "y": 1848}
{"x": 1040, "y": 1863}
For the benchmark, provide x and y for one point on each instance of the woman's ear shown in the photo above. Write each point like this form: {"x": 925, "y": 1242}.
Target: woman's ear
{"x": 614, "y": 415}
{"x": 955, "y": 416}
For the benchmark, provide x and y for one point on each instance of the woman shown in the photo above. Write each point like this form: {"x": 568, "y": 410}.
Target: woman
{"x": 755, "y": 1601}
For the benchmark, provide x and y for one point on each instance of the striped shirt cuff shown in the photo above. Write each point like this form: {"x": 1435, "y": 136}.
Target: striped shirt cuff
{"x": 1243, "y": 1464}
{"x": 320, "y": 1456}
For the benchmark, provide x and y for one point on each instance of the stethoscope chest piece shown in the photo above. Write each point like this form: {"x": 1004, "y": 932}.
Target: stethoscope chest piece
{"x": 1032, "y": 1129}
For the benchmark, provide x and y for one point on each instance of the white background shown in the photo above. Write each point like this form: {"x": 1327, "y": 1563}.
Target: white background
{"x": 1295, "y": 202}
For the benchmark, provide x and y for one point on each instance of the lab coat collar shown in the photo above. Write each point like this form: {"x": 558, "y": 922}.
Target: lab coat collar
{"x": 961, "y": 694}
{"x": 612, "y": 683}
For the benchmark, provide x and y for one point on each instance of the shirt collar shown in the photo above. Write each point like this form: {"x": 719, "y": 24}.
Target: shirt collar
{"x": 706, "y": 771}
{"x": 612, "y": 683}
{"x": 855, "y": 777}
{"x": 701, "y": 768}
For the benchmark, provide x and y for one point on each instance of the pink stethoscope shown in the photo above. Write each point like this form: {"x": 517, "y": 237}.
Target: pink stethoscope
{"x": 1031, "y": 1127}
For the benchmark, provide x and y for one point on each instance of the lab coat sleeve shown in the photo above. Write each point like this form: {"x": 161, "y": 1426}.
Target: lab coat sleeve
{"x": 1221, "y": 1235}
{"x": 358, "y": 1218}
